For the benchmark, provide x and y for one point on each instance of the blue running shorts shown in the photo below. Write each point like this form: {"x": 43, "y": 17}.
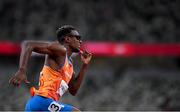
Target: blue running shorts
{"x": 40, "y": 103}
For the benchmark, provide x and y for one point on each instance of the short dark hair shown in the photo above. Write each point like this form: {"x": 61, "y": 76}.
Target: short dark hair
{"x": 63, "y": 31}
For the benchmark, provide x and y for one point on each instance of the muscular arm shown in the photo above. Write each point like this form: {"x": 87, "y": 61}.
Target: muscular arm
{"x": 50, "y": 48}
{"x": 75, "y": 82}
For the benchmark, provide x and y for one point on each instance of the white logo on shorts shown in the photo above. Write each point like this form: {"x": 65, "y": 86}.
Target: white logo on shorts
{"x": 55, "y": 107}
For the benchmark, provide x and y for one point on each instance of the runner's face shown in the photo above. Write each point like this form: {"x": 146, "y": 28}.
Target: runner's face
{"x": 75, "y": 41}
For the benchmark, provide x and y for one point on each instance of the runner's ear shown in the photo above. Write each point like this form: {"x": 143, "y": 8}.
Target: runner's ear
{"x": 67, "y": 39}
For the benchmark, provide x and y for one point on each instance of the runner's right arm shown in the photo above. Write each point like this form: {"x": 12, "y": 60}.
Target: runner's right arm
{"x": 50, "y": 48}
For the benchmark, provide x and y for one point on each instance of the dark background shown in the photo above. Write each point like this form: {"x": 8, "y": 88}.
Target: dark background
{"x": 112, "y": 83}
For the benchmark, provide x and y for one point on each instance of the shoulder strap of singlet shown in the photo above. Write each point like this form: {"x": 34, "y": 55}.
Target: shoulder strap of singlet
{"x": 66, "y": 59}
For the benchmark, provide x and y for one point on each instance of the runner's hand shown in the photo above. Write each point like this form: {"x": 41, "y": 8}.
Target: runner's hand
{"x": 18, "y": 78}
{"x": 86, "y": 57}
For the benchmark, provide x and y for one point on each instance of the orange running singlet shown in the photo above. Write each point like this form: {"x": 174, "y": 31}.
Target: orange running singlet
{"x": 53, "y": 84}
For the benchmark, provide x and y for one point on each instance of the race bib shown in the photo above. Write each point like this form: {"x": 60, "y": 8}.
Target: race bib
{"x": 63, "y": 88}
{"x": 55, "y": 107}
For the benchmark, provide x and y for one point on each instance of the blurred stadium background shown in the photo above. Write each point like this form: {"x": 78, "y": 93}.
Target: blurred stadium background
{"x": 143, "y": 36}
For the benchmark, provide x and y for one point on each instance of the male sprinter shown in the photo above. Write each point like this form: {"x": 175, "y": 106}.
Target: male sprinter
{"x": 57, "y": 74}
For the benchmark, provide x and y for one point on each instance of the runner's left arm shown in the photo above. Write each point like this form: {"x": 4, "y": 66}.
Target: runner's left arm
{"x": 75, "y": 82}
